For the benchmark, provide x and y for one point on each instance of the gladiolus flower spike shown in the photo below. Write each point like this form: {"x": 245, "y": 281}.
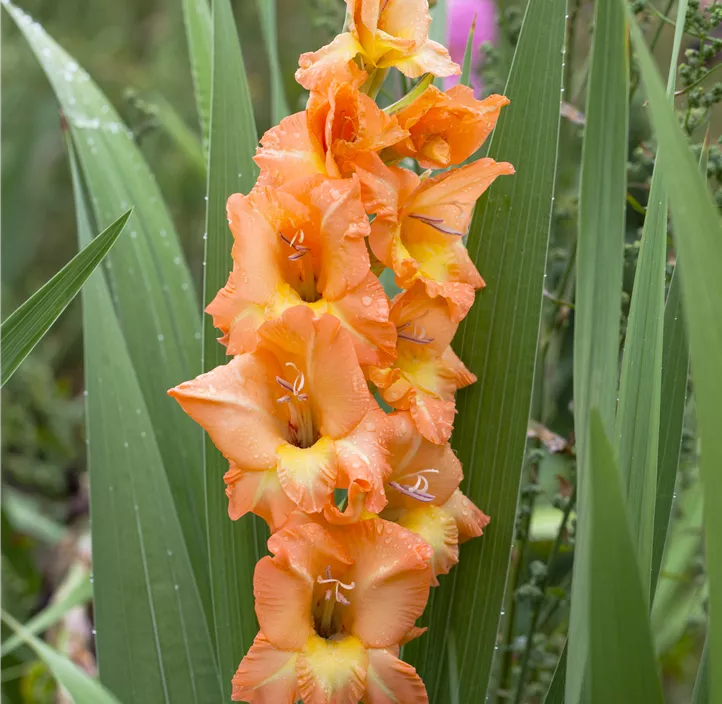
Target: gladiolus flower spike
{"x": 308, "y": 327}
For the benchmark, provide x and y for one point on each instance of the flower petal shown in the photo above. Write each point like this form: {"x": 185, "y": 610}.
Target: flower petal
{"x": 333, "y": 62}
{"x": 438, "y": 528}
{"x": 332, "y": 671}
{"x": 412, "y": 457}
{"x": 289, "y": 151}
{"x": 259, "y": 492}
{"x": 434, "y": 417}
{"x": 308, "y": 475}
{"x": 324, "y": 352}
{"x": 470, "y": 520}
{"x": 363, "y": 467}
{"x": 364, "y": 312}
{"x": 266, "y": 675}
{"x": 283, "y": 604}
{"x": 392, "y": 681}
{"x": 392, "y": 572}
{"x": 431, "y": 57}
{"x": 235, "y": 405}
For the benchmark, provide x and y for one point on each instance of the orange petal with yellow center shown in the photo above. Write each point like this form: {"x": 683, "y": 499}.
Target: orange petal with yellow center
{"x": 266, "y": 675}
{"x": 308, "y": 475}
{"x": 431, "y": 57}
{"x": 392, "y": 572}
{"x": 236, "y": 405}
{"x": 438, "y": 528}
{"x": 332, "y": 671}
{"x": 392, "y": 681}
{"x": 257, "y": 492}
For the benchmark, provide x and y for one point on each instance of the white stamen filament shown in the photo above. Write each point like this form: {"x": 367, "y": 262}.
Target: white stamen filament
{"x": 414, "y": 335}
{"x": 340, "y": 598}
{"x": 295, "y": 388}
{"x": 295, "y": 244}
{"x": 420, "y": 490}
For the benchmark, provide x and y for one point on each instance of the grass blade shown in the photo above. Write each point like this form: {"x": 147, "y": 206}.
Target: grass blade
{"x": 82, "y": 688}
{"x": 76, "y": 591}
{"x": 197, "y": 20}
{"x": 152, "y": 289}
{"x": 617, "y": 596}
{"x": 675, "y": 369}
{"x": 508, "y": 241}
{"x": 26, "y": 326}
{"x": 699, "y": 243}
{"x": 599, "y": 283}
{"x": 152, "y": 640}
{"x": 555, "y": 693}
{"x": 700, "y": 695}
{"x": 233, "y": 548}
{"x": 279, "y": 104}
{"x": 465, "y": 78}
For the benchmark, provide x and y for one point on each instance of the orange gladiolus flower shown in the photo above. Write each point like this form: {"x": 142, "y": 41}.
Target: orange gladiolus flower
{"x": 427, "y": 372}
{"x": 310, "y": 251}
{"x": 420, "y": 223}
{"x": 338, "y": 125}
{"x": 423, "y": 494}
{"x": 333, "y": 608}
{"x": 382, "y": 33}
{"x": 447, "y": 128}
{"x": 295, "y": 414}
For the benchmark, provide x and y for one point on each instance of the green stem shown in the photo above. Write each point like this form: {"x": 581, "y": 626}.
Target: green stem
{"x": 701, "y": 79}
{"x": 374, "y": 82}
{"x": 653, "y": 43}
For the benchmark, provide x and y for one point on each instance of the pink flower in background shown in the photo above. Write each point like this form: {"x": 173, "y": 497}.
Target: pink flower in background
{"x": 460, "y": 16}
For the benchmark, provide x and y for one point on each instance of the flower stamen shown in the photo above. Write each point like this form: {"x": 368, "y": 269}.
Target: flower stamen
{"x": 420, "y": 490}
{"x": 437, "y": 224}
{"x": 294, "y": 388}
{"x": 328, "y": 579}
{"x": 295, "y": 244}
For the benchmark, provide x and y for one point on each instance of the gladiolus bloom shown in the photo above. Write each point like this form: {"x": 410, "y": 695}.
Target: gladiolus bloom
{"x": 297, "y": 408}
{"x": 447, "y": 128}
{"x": 420, "y": 226}
{"x": 423, "y": 494}
{"x": 338, "y": 125}
{"x": 427, "y": 372}
{"x": 333, "y": 608}
{"x": 307, "y": 251}
{"x": 383, "y": 33}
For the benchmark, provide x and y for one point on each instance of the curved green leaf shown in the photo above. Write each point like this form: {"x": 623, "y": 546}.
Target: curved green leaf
{"x": 25, "y": 327}
{"x": 599, "y": 283}
{"x": 82, "y": 688}
{"x": 618, "y": 597}
{"x": 150, "y": 283}
{"x": 508, "y": 242}
{"x": 279, "y": 104}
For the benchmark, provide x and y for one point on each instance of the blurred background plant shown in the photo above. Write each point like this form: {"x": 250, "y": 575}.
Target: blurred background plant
{"x": 136, "y": 51}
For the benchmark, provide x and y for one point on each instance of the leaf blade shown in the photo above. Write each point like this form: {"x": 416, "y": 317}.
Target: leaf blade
{"x": 600, "y": 247}
{"x": 26, "y": 326}
{"x": 233, "y": 546}
{"x": 150, "y": 282}
{"x": 197, "y": 21}
{"x": 279, "y": 104}
{"x": 619, "y": 624}
{"x": 699, "y": 242}
{"x": 81, "y": 687}
{"x": 152, "y": 638}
